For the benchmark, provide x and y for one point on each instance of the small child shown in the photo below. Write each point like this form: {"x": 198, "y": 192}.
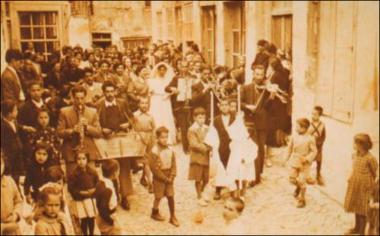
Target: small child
{"x": 199, "y": 153}
{"x": 318, "y": 130}
{"x": 45, "y": 133}
{"x": 303, "y": 150}
{"x": 52, "y": 220}
{"x": 106, "y": 199}
{"x": 163, "y": 166}
{"x": 233, "y": 209}
{"x": 53, "y": 177}
{"x": 82, "y": 186}
{"x": 36, "y": 172}
{"x": 11, "y": 204}
{"x": 144, "y": 125}
{"x": 360, "y": 183}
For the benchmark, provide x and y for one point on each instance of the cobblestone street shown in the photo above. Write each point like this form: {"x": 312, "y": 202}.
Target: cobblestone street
{"x": 270, "y": 209}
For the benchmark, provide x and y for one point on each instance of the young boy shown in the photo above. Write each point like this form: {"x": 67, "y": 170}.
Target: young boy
{"x": 163, "y": 166}
{"x": 303, "y": 150}
{"x": 199, "y": 153}
{"x": 318, "y": 130}
{"x": 144, "y": 125}
{"x": 11, "y": 204}
{"x": 106, "y": 199}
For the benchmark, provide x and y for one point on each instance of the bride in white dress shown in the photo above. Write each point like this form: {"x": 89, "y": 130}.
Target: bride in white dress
{"x": 160, "y": 105}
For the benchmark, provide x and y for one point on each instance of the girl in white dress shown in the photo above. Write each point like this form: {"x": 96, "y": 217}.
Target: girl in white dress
{"x": 160, "y": 104}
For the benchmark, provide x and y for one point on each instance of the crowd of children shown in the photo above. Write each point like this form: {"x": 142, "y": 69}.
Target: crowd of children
{"x": 219, "y": 127}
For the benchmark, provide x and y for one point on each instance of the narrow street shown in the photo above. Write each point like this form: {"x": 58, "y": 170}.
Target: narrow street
{"x": 270, "y": 209}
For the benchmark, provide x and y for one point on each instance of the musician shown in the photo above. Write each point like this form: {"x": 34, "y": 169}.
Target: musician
{"x": 76, "y": 121}
{"x": 200, "y": 92}
{"x": 254, "y": 102}
{"x": 180, "y": 88}
{"x": 114, "y": 116}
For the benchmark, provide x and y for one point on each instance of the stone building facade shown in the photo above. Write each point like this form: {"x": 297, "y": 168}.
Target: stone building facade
{"x": 52, "y": 24}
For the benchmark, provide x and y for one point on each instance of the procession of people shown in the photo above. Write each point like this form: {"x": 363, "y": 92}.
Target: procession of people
{"x": 53, "y": 111}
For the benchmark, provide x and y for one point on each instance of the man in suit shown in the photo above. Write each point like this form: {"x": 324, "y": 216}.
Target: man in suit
{"x": 180, "y": 88}
{"x": 75, "y": 121}
{"x": 114, "y": 116}
{"x": 10, "y": 81}
{"x": 254, "y": 103}
{"x": 201, "y": 92}
{"x": 10, "y": 140}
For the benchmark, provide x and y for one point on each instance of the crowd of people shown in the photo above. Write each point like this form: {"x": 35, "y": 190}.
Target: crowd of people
{"x": 53, "y": 110}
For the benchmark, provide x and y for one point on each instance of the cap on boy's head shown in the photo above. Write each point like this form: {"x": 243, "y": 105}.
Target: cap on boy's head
{"x": 161, "y": 130}
{"x": 319, "y": 109}
{"x": 304, "y": 123}
{"x": 109, "y": 167}
{"x": 363, "y": 140}
{"x": 199, "y": 111}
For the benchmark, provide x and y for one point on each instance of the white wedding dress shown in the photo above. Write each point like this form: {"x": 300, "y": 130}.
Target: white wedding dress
{"x": 160, "y": 104}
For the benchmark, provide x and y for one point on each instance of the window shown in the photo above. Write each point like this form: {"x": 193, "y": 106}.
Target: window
{"x": 178, "y": 24}
{"x": 170, "y": 22}
{"x": 208, "y": 33}
{"x": 188, "y": 22}
{"x": 101, "y": 39}
{"x": 159, "y": 25}
{"x": 132, "y": 42}
{"x": 81, "y": 8}
{"x": 39, "y": 28}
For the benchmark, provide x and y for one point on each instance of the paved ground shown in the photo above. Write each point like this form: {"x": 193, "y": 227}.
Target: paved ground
{"x": 270, "y": 209}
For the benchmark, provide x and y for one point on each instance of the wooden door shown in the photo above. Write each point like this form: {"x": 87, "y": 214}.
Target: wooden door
{"x": 336, "y": 69}
{"x": 208, "y": 33}
{"x": 233, "y": 33}
{"x": 282, "y": 31}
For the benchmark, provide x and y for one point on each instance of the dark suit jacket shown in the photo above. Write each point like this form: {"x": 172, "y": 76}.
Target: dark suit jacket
{"x": 261, "y": 59}
{"x": 203, "y": 99}
{"x": 249, "y": 96}
{"x": 176, "y": 105}
{"x": 224, "y": 139}
{"x": 11, "y": 146}
{"x": 10, "y": 89}
{"x": 28, "y": 114}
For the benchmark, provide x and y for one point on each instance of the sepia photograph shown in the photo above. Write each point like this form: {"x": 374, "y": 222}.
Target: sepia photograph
{"x": 189, "y": 117}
